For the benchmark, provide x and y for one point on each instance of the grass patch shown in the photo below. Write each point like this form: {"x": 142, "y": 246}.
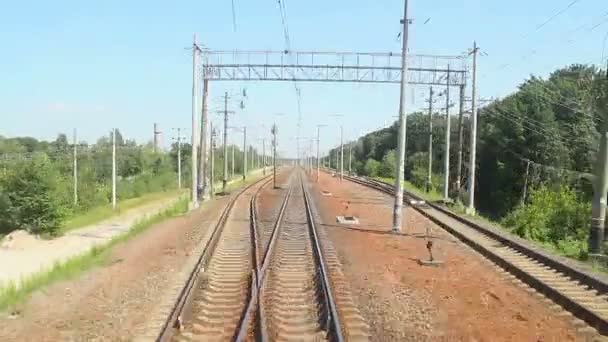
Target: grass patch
{"x": 101, "y": 213}
{"x": 12, "y": 294}
{"x": 431, "y": 196}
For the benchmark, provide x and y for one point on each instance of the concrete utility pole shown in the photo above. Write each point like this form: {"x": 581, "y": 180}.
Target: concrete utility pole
{"x": 114, "y": 168}
{"x": 203, "y": 154}
{"x": 274, "y": 132}
{"x": 225, "y": 175}
{"x": 212, "y": 162}
{"x": 232, "y": 164}
{"x": 318, "y": 141}
{"x": 337, "y": 160}
{"x": 179, "y": 159}
{"x": 156, "y": 134}
{"x": 460, "y": 136}
{"x": 244, "y": 152}
{"x": 350, "y": 158}
{"x": 473, "y": 149}
{"x": 341, "y": 152}
{"x": 195, "y": 50}
{"x": 75, "y": 171}
{"x": 429, "y": 180}
{"x": 264, "y": 156}
{"x": 446, "y": 169}
{"x": 600, "y": 188}
{"x": 397, "y": 210}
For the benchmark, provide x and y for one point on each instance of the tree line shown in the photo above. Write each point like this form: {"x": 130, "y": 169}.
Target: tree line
{"x": 536, "y": 150}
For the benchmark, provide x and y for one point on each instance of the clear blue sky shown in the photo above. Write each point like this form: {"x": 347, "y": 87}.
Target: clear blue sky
{"x": 95, "y": 65}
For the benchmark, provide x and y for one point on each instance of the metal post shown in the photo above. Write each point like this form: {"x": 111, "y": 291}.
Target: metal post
{"x": 460, "y": 137}
{"x": 225, "y": 175}
{"x": 341, "y": 153}
{"x": 473, "y": 149}
{"x": 397, "y": 210}
{"x": 429, "y": 180}
{"x": 194, "y": 196}
{"x": 75, "y": 173}
{"x": 244, "y": 153}
{"x": 114, "y": 168}
{"x": 446, "y": 169}
{"x": 203, "y": 151}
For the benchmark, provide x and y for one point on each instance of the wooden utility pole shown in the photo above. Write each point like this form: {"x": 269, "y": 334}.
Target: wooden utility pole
{"x": 460, "y": 137}
{"x": 429, "y": 181}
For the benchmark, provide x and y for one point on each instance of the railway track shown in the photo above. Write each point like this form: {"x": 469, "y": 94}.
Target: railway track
{"x": 269, "y": 284}
{"x": 553, "y": 279}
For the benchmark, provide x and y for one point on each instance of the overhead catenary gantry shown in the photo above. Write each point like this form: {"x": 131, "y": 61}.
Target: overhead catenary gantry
{"x": 327, "y": 66}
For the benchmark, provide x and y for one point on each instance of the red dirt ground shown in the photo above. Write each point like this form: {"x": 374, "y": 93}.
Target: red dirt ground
{"x": 466, "y": 299}
{"x": 109, "y": 303}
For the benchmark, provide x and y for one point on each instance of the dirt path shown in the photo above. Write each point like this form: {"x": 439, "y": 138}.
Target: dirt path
{"x": 466, "y": 299}
{"x": 28, "y": 255}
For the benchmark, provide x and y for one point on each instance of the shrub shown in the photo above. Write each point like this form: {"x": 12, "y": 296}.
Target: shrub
{"x": 31, "y": 198}
{"x": 388, "y": 167}
{"x": 371, "y": 167}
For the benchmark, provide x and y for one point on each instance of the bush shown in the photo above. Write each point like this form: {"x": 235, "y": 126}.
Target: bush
{"x": 371, "y": 167}
{"x": 555, "y": 217}
{"x": 388, "y": 167}
{"x": 31, "y": 199}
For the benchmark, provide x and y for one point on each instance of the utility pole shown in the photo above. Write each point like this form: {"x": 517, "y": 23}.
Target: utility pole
{"x": 446, "y": 169}
{"x": 600, "y": 187}
{"x": 341, "y": 152}
{"x": 195, "y": 50}
{"x": 114, "y": 168}
{"x": 429, "y": 181}
{"x": 156, "y": 134}
{"x": 274, "y": 155}
{"x": 397, "y": 209}
{"x": 350, "y": 158}
{"x": 244, "y": 152}
{"x": 473, "y": 150}
{"x": 264, "y": 156}
{"x": 232, "y": 164}
{"x": 318, "y": 141}
{"x": 75, "y": 169}
{"x": 212, "y": 162}
{"x": 202, "y": 170}
{"x": 460, "y": 136}
{"x": 225, "y": 175}
{"x": 525, "y": 192}
{"x": 179, "y": 159}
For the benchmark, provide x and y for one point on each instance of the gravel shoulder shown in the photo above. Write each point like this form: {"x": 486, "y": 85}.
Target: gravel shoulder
{"x": 465, "y": 299}
{"x": 112, "y": 302}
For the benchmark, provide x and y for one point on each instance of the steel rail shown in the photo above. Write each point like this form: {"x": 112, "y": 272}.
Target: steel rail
{"x": 576, "y": 275}
{"x": 333, "y": 319}
{"x": 172, "y": 322}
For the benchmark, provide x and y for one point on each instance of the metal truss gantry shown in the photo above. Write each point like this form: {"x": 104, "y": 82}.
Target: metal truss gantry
{"x": 331, "y": 67}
